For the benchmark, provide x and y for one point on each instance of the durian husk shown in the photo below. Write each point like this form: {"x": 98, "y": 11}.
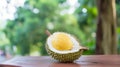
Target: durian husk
{"x": 66, "y": 58}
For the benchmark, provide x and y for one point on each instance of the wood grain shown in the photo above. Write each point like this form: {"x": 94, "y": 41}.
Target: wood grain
{"x": 83, "y": 61}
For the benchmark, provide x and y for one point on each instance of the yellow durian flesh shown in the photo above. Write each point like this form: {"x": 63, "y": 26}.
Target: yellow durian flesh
{"x": 61, "y": 41}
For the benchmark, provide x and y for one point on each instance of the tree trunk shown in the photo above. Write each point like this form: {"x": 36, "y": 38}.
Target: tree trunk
{"x": 106, "y": 42}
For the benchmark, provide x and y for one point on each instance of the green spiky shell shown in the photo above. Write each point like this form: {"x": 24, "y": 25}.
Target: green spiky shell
{"x": 69, "y": 57}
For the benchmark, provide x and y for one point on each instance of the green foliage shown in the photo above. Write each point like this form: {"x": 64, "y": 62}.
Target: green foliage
{"x": 118, "y": 23}
{"x": 86, "y": 15}
{"x": 31, "y": 21}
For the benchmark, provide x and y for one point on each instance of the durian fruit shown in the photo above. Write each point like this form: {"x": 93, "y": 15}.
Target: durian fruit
{"x": 63, "y": 47}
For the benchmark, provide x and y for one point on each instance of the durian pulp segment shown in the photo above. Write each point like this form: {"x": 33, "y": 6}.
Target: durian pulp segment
{"x": 61, "y": 41}
{"x": 75, "y": 47}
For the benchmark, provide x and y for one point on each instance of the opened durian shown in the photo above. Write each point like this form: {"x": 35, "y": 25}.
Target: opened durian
{"x": 63, "y": 47}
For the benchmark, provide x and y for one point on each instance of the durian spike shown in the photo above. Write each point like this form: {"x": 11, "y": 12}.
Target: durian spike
{"x": 84, "y": 48}
{"x": 48, "y": 32}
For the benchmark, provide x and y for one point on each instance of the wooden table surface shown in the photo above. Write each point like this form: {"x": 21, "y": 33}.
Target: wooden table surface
{"x": 47, "y": 61}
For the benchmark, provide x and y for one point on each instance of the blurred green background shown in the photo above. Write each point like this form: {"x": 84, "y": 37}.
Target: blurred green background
{"x": 25, "y": 33}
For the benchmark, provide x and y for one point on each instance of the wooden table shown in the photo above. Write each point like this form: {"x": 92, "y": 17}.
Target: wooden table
{"x": 47, "y": 61}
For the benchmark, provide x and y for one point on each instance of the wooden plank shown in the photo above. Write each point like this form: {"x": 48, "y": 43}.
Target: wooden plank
{"x": 83, "y": 61}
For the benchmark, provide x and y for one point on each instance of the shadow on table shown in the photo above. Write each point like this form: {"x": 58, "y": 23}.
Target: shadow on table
{"x": 57, "y": 64}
